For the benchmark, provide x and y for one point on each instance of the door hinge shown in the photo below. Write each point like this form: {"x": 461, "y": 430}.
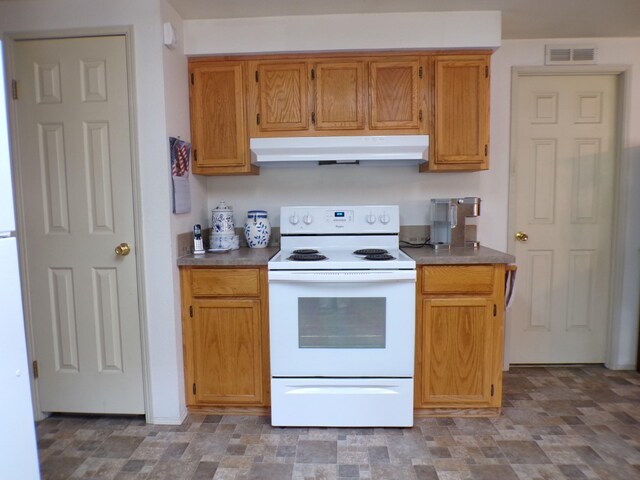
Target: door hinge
{"x": 486, "y": 71}
{"x": 420, "y": 72}
{"x": 195, "y": 155}
{"x": 492, "y": 390}
{"x": 257, "y": 76}
{"x": 191, "y": 311}
{"x": 194, "y": 388}
{"x": 36, "y": 371}
{"x": 14, "y": 89}
{"x": 313, "y": 74}
{"x": 495, "y": 310}
{"x": 192, "y": 80}
{"x": 313, "y": 118}
{"x": 257, "y": 119}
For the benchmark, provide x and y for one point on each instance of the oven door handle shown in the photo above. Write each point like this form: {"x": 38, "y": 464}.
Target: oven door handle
{"x": 342, "y": 277}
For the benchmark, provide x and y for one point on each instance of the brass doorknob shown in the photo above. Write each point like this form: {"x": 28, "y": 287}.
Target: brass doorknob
{"x": 123, "y": 249}
{"x": 522, "y": 237}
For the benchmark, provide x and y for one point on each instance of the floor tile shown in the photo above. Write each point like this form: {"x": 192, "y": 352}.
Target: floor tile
{"x": 556, "y": 423}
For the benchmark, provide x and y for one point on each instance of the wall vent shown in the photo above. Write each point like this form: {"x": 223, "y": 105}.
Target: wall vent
{"x": 570, "y": 54}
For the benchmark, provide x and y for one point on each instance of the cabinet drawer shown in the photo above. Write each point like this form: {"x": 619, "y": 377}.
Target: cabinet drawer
{"x": 458, "y": 279}
{"x": 225, "y": 282}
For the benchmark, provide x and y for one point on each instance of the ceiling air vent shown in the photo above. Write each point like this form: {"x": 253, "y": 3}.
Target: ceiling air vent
{"x": 570, "y": 55}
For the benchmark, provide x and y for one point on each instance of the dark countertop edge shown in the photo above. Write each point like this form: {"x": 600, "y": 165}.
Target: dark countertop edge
{"x": 243, "y": 257}
{"x": 422, "y": 256}
{"x": 458, "y": 256}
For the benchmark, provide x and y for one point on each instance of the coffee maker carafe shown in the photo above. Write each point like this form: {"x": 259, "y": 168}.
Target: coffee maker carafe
{"x": 448, "y": 222}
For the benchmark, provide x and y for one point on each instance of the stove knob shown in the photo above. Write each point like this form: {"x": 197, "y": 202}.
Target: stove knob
{"x": 370, "y": 219}
{"x": 307, "y": 219}
{"x": 384, "y": 218}
{"x": 294, "y": 219}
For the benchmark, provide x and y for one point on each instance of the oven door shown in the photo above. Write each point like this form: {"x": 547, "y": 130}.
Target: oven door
{"x": 342, "y": 323}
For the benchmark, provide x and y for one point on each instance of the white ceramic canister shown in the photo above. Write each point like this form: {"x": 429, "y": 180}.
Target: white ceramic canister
{"x": 257, "y": 229}
{"x": 222, "y": 219}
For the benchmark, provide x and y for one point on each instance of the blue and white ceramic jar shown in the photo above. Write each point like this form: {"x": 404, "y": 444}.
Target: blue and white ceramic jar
{"x": 257, "y": 229}
{"x": 222, "y": 219}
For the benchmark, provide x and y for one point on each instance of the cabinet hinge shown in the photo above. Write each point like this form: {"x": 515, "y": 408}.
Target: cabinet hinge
{"x": 486, "y": 149}
{"x": 36, "y": 371}
{"x": 420, "y": 115}
{"x": 313, "y": 118}
{"x": 191, "y": 311}
{"x": 257, "y": 119}
{"x": 420, "y": 72}
{"x": 495, "y": 310}
{"x": 14, "y": 89}
{"x": 486, "y": 71}
{"x": 194, "y": 389}
{"x": 195, "y": 155}
{"x": 313, "y": 74}
{"x": 257, "y": 76}
{"x": 192, "y": 79}
{"x": 492, "y": 390}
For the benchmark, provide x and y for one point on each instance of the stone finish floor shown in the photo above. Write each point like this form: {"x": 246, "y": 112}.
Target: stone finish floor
{"x": 556, "y": 423}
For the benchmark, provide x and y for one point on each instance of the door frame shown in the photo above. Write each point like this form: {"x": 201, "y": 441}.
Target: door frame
{"x": 620, "y": 189}
{"x": 9, "y": 42}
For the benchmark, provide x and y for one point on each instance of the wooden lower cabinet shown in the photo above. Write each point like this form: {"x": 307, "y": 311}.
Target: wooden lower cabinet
{"x": 225, "y": 336}
{"x": 459, "y": 337}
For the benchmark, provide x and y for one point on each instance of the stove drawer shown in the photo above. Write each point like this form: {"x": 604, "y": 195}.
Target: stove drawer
{"x": 452, "y": 279}
{"x": 225, "y": 282}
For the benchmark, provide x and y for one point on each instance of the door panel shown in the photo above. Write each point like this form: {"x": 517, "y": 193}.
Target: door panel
{"x": 75, "y": 170}
{"x": 565, "y": 152}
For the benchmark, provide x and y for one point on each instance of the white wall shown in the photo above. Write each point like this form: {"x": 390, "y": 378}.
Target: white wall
{"x": 164, "y": 354}
{"x": 368, "y": 31}
{"x": 177, "y": 117}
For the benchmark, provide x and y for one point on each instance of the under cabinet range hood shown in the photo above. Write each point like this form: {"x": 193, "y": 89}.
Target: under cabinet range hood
{"x": 385, "y": 150}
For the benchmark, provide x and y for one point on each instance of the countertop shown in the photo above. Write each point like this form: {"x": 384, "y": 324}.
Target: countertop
{"x": 235, "y": 258}
{"x": 457, "y": 256}
{"x": 423, "y": 256}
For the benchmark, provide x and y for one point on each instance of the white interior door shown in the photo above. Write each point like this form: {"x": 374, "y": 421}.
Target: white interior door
{"x": 74, "y": 159}
{"x": 565, "y": 151}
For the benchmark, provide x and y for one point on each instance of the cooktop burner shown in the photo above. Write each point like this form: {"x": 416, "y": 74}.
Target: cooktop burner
{"x": 306, "y": 257}
{"x": 380, "y": 256}
{"x": 371, "y": 251}
{"x": 305, "y": 251}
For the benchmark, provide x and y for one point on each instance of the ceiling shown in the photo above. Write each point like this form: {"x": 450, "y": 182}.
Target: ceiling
{"x": 520, "y": 18}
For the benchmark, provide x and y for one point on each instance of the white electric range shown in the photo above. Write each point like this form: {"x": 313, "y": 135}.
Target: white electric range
{"x": 341, "y": 318}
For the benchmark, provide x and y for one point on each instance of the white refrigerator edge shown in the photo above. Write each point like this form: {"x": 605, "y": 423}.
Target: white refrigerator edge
{"x": 18, "y": 452}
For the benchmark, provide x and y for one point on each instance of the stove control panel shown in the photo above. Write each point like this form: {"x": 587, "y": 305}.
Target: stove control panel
{"x": 361, "y": 219}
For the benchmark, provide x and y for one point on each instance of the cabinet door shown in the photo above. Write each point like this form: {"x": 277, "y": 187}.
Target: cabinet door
{"x": 216, "y": 99}
{"x": 339, "y": 95}
{"x": 458, "y": 343}
{"x": 283, "y": 96}
{"x": 394, "y": 89}
{"x": 227, "y": 353}
{"x": 461, "y": 113}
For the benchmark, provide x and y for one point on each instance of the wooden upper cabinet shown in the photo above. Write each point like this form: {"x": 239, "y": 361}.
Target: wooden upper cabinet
{"x": 395, "y": 95}
{"x": 461, "y": 130}
{"x": 283, "y": 96}
{"x": 218, "y": 123}
{"x": 339, "y": 95}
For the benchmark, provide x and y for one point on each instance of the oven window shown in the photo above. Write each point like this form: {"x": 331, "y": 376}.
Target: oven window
{"x": 342, "y": 322}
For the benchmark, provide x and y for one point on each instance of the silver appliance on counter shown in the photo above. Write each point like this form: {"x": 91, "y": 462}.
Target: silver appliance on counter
{"x": 341, "y": 319}
{"x": 449, "y": 222}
